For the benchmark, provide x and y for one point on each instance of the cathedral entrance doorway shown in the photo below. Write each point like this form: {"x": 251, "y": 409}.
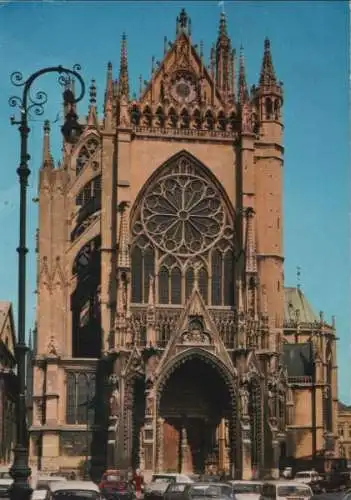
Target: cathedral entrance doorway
{"x": 196, "y": 405}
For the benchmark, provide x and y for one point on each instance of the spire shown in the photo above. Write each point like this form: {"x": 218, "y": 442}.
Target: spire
{"x": 108, "y": 97}
{"x": 48, "y": 161}
{"x": 242, "y": 84}
{"x": 267, "y": 75}
{"x": 30, "y": 342}
{"x": 123, "y": 71}
{"x": 123, "y": 260}
{"x": 223, "y": 56}
{"x": 92, "y": 114}
{"x": 183, "y": 23}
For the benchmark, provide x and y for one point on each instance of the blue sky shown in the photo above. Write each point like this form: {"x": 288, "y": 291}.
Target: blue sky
{"x": 310, "y": 51}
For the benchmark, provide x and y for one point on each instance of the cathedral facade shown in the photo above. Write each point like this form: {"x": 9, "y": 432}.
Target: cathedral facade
{"x": 164, "y": 330}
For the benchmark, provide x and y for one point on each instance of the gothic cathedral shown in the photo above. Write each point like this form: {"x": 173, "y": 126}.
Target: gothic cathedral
{"x": 165, "y": 337}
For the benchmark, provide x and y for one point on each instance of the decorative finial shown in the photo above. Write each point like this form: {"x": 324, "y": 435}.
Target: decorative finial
{"x": 165, "y": 45}
{"x": 243, "y": 91}
{"x": 298, "y": 278}
{"x": 123, "y": 72}
{"x": 47, "y": 161}
{"x": 140, "y": 84}
{"x": 267, "y": 75}
{"x": 183, "y": 23}
{"x": 221, "y": 5}
{"x": 92, "y": 93}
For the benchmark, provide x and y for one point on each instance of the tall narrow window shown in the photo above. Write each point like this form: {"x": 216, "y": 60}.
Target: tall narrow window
{"x": 82, "y": 400}
{"x": 216, "y": 269}
{"x": 203, "y": 284}
{"x": 189, "y": 282}
{"x": 137, "y": 275}
{"x": 163, "y": 285}
{"x": 176, "y": 286}
{"x": 228, "y": 278}
{"x": 149, "y": 270}
{"x": 71, "y": 399}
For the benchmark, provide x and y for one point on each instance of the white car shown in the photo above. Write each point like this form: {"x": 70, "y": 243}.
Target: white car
{"x": 159, "y": 483}
{"x": 247, "y": 490}
{"x": 77, "y": 489}
{"x": 4, "y": 486}
{"x": 283, "y": 490}
{"x": 307, "y": 477}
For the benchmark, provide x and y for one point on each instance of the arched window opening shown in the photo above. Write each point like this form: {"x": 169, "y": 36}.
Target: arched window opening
{"x": 89, "y": 200}
{"x": 86, "y": 153}
{"x": 137, "y": 275}
{"x": 328, "y": 395}
{"x": 85, "y": 302}
{"x": 143, "y": 266}
{"x": 268, "y": 108}
{"x": 216, "y": 270}
{"x": 172, "y": 118}
{"x": 176, "y": 286}
{"x": 147, "y": 117}
{"x": 228, "y": 264}
{"x": 222, "y": 121}
{"x": 80, "y": 404}
{"x": 189, "y": 282}
{"x": 232, "y": 121}
{"x": 135, "y": 115}
{"x": 209, "y": 119}
{"x": 276, "y": 109}
{"x": 160, "y": 117}
{"x": 203, "y": 284}
{"x": 197, "y": 119}
{"x": 149, "y": 269}
{"x": 163, "y": 285}
{"x": 185, "y": 119}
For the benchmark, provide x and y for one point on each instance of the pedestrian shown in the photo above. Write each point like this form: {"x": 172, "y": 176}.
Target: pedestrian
{"x": 138, "y": 483}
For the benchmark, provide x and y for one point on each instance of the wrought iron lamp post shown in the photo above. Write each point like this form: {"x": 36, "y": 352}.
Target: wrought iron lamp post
{"x": 20, "y": 489}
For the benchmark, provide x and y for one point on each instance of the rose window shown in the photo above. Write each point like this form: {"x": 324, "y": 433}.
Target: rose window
{"x": 182, "y": 215}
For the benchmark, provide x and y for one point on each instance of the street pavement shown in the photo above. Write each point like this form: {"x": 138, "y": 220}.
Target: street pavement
{"x": 329, "y": 496}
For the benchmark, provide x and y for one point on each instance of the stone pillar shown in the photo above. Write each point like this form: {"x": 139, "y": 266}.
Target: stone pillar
{"x": 160, "y": 443}
{"x": 246, "y": 449}
{"x": 221, "y": 445}
{"x": 183, "y": 451}
{"x": 150, "y": 432}
{"x": 141, "y": 450}
{"x": 275, "y": 458}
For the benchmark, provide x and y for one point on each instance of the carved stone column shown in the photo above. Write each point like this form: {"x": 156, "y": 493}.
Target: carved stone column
{"x": 150, "y": 428}
{"x": 245, "y": 433}
{"x": 275, "y": 458}
{"x": 183, "y": 450}
{"x": 160, "y": 443}
{"x": 141, "y": 449}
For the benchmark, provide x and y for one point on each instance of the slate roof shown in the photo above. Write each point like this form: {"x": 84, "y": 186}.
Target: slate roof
{"x": 295, "y": 299}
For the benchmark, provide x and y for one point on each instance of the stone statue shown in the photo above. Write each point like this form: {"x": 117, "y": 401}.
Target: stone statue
{"x": 244, "y": 399}
{"x": 115, "y": 402}
{"x": 52, "y": 347}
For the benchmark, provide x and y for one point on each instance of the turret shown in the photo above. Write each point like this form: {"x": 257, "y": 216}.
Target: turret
{"x": 47, "y": 161}
{"x": 268, "y": 94}
{"x": 223, "y": 58}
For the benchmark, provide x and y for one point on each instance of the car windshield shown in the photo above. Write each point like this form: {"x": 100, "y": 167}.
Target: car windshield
{"x": 5, "y": 475}
{"x": 247, "y": 488}
{"x": 303, "y": 475}
{"x": 76, "y": 495}
{"x": 176, "y": 487}
{"x": 163, "y": 479}
{"x": 212, "y": 490}
{"x": 293, "y": 491}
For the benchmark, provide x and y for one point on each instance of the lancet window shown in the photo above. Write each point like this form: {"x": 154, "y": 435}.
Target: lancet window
{"x": 80, "y": 397}
{"x": 183, "y": 235}
{"x": 87, "y": 151}
{"x": 92, "y": 190}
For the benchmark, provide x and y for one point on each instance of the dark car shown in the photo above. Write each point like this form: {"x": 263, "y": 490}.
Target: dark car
{"x": 117, "y": 490}
{"x": 175, "y": 491}
{"x": 209, "y": 490}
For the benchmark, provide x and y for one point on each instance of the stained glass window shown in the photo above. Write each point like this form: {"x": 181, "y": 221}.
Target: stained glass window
{"x": 163, "y": 285}
{"x": 149, "y": 269}
{"x": 80, "y": 398}
{"x": 216, "y": 277}
{"x": 176, "y": 286}
{"x": 228, "y": 298}
{"x": 189, "y": 282}
{"x": 137, "y": 275}
{"x": 183, "y": 214}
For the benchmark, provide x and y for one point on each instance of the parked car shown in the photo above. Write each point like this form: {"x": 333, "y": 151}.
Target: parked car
{"x": 159, "y": 484}
{"x": 209, "y": 490}
{"x": 283, "y": 490}
{"x": 175, "y": 491}
{"x": 5, "y": 484}
{"x": 74, "y": 490}
{"x": 117, "y": 490}
{"x": 247, "y": 490}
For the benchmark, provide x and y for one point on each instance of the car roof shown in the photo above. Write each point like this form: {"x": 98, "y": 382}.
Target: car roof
{"x": 242, "y": 481}
{"x": 74, "y": 485}
{"x": 289, "y": 482}
{"x": 209, "y": 483}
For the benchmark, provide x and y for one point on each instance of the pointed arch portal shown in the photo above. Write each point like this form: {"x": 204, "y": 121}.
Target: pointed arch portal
{"x": 197, "y": 406}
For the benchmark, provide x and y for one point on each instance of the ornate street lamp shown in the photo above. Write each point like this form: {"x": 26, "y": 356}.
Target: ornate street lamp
{"x": 20, "y": 489}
